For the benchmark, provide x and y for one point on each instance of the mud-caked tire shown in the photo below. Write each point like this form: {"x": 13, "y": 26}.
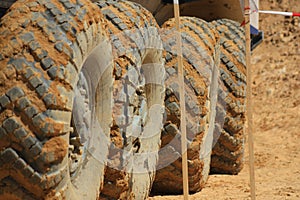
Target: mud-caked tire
{"x": 45, "y": 46}
{"x": 138, "y": 100}
{"x": 200, "y": 60}
{"x": 228, "y": 152}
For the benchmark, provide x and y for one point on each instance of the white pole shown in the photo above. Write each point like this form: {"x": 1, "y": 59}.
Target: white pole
{"x": 185, "y": 181}
{"x": 249, "y": 101}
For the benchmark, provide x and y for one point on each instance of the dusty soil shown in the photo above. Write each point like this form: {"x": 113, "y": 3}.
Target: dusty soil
{"x": 276, "y": 105}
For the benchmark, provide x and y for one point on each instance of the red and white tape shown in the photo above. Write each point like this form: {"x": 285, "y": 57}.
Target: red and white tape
{"x": 291, "y": 14}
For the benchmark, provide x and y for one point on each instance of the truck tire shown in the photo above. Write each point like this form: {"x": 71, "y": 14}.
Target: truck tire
{"x": 227, "y": 155}
{"x": 52, "y": 52}
{"x": 139, "y": 94}
{"x": 201, "y": 59}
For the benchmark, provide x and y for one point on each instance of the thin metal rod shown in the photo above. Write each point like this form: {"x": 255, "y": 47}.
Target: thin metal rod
{"x": 276, "y": 12}
{"x": 185, "y": 181}
{"x": 291, "y": 14}
{"x": 249, "y": 102}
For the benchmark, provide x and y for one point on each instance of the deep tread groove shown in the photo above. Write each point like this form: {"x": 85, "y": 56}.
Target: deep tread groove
{"x": 132, "y": 29}
{"x": 199, "y": 44}
{"x": 227, "y": 155}
{"x": 33, "y": 89}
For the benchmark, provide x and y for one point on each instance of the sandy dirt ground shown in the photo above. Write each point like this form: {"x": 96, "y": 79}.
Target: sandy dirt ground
{"x": 276, "y": 105}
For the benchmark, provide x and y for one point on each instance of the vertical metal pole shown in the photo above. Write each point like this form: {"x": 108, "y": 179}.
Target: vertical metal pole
{"x": 185, "y": 181}
{"x": 249, "y": 100}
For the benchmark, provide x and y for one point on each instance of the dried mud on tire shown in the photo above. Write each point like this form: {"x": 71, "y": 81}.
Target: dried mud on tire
{"x": 138, "y": 89}
{"x": 41, "y": 55}
{"x": 227, "y": 154}
{"x": 200, "y": 58}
